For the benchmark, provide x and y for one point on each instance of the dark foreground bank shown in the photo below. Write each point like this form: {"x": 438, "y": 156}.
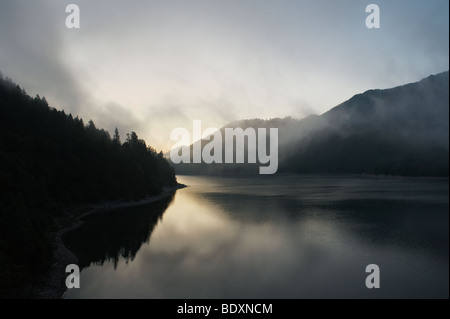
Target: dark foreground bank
{"x": 52, "y": 286}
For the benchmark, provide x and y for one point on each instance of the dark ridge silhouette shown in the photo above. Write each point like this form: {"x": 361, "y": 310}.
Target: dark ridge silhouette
{"x": 49, "y": 162}
{"x": 400, "y": 131}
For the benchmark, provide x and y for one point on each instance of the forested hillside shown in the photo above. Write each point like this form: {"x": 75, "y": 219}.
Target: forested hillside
{"x": 51, "y": 162}
{"x": 401, "y": 131}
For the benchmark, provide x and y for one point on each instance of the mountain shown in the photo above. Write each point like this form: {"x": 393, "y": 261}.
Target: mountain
{"x": 50, "y": 164}
{"x": 399, "y": 131}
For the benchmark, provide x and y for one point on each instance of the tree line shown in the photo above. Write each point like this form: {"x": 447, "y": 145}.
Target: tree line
{"x": 50, "y": 162}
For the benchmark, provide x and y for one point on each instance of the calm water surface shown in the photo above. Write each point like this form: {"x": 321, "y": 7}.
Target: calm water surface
{"x": 271, "y": 237}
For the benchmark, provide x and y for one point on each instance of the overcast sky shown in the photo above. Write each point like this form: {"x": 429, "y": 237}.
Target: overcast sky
{"x": 151, "y": 66}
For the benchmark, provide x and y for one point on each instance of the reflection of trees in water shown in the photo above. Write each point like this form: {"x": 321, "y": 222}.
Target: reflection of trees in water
{"x": 117, "y": 233}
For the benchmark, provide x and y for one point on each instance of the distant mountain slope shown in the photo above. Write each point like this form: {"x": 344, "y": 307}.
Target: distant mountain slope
{"x": 50, "y": 161}
{"x": 398, "y": 131}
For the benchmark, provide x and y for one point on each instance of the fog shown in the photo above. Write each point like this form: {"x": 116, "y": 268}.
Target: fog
{"x": 151, "y": 66}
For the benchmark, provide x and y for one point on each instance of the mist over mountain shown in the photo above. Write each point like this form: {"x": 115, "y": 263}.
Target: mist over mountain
{"x": 398, "y": 131}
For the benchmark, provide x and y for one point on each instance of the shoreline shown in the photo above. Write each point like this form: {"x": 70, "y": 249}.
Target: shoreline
{"x": 53, "y": 286}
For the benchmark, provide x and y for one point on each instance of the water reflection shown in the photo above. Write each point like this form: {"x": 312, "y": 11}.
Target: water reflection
{"x": 277, "y": 237}
{"x": 115, "y": 234}
{"x": 385, "y": 220}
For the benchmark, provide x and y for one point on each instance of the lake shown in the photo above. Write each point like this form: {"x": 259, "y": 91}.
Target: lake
{"x": 271, "y": 236}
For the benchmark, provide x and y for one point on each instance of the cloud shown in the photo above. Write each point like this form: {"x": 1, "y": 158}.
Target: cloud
{"x": 113, "y": 115}
{"x": 31, "y": 52}
{"x": 150, "y": 66}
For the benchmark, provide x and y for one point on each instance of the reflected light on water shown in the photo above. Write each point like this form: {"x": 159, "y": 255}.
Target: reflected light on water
{"x": 282, "y": 237}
